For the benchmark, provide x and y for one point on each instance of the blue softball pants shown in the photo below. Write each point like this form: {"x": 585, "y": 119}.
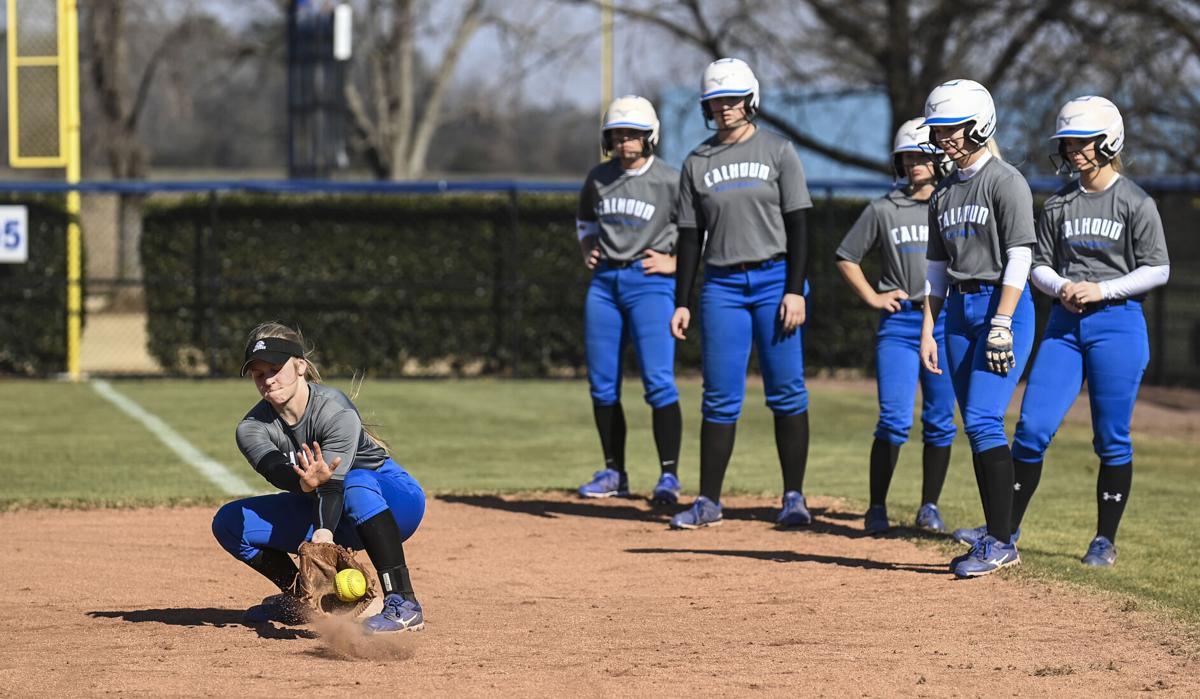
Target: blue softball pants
{"x": 1108, "y": 348}
{"x": 740, "y": 308}
{"x": 983, "y": 397}
{"x": 626, "y": 303}
{"x": 283, "y": 521}
{"x": 898, "y": 370}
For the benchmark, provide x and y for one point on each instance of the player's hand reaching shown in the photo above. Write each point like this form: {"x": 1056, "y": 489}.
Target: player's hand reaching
{"x": 889, "y": 300}
{"x": 680, "y": 322}
{"x": 656, "y": 262}
{"x": 929, "y": 354}
{"x": 313, "y": 470}
{"x": 1000, "y": 357}
{"x": 792, "y": 312}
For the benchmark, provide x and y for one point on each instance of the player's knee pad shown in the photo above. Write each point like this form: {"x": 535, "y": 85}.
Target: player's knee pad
{"x": 1119, "y": 452}
{"x": 938, "y": 434}
{"x": 606, "y": 392}
{"x": 791, "y": 402}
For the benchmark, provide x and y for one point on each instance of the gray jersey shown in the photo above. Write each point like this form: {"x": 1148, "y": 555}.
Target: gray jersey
{"x": 634, "y": 212}
{"x": 899, "y": 226}
{"x": 973, "y": 222}
{"x": 1097, "y": 236}
{"x": 740, "y": 192}
{"x": 330, "y": 418}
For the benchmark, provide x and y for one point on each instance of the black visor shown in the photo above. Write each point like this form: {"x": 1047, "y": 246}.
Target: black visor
{"x": 272, "y": 350}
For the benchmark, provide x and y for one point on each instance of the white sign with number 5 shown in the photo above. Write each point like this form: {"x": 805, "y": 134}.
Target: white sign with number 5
{"x": 14, "y": 234}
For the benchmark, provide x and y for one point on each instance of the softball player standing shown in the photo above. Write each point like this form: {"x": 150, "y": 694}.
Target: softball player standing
{"x": 626, "y": 226}
{"x": 898, "y": 225}
{"x": 981, "y": 234}
{"x": 745, "y": 187}
{"x": 1100, "y": 249}
{"x": 340, "y": 485}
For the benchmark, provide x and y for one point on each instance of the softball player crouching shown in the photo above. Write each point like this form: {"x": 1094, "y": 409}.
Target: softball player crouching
{"x": 339, "y": 482}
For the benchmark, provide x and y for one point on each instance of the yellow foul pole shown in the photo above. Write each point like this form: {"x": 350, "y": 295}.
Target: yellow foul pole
{"x": 69, "y": 25}
{"x": 606, "y": 58}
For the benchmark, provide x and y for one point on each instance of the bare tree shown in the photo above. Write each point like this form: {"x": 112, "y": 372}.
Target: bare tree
{"x": 904, "y": 47}
{"x": 393, "y": 129}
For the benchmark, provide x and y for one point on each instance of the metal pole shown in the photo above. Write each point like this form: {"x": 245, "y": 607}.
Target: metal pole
{"x": 606, "y": 59}
{"x": 70, "y": 35}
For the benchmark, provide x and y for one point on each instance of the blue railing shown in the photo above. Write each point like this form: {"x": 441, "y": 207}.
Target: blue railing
{"x": 146, "y": 187}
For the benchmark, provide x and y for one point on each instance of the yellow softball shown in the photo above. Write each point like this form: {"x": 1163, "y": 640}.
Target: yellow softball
{"x": 351, "y": 585}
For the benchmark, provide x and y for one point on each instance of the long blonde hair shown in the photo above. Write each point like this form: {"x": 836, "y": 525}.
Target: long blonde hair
{"x": 278, "y": 330}
{"x": 994, "y": 148}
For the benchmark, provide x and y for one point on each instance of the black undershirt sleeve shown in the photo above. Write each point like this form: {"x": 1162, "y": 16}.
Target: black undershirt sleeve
{"x": 687, "y": 251}
{"x": 796, "y": 228}
{"x": 331, "y": 497}
{"x": 276, "y": 468}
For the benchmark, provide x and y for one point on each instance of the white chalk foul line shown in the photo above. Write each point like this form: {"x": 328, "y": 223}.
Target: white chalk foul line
{"x": 212, "y": 470}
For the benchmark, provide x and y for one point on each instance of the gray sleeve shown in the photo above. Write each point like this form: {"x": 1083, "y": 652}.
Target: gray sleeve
{"x": 861, "y": 238}
{"x": 253, "y": 442}
{"x": 1013, "y": 204}
{"x": 1149, "y": 240}
{"x": 793, "y": 188}
{"x": 936, "y": 248}
{"x": 340, "y": 433}
{"x": 1043, "y": 251}
{"x": 686, "y": 202}
{"x": 587, "y": 201}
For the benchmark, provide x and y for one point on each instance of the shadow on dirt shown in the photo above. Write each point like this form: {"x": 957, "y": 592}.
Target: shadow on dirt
{"x": 799, "y": 557}
{"x": 204, "y": 616}
{"x": 643, "y": 511}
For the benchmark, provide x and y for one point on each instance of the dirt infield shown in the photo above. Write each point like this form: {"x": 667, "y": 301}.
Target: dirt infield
{"x": 542, "y": 594}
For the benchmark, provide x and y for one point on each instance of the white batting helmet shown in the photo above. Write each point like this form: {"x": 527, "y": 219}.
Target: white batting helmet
{"x": 730, "y": 77}
{"x": 957, "y": 102}
{"x": 631, "y": 112}
{"x": 912, "y": 137}
{"x": 1089, "y": 116}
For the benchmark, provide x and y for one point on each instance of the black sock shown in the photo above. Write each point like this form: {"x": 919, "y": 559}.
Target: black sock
{"x": 935, "y": 463}
{"x": 1026, "y": 476}
{"x": 668, "y": 432}
{"x": 883, "y": 464}
{"x": 610, "y": 423}
{"x": 791, "y": 442}
{"x": 980, "y": 480}
{"x": 384, "y": 543}
{"x": 997, "y": 468}
{"x": 276, "y": 566}
{"x": 1112, "y": 493}
{"x": 716, "y": 446}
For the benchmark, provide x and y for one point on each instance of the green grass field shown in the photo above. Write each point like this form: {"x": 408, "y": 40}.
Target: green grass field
{"x": 72, "y": 448}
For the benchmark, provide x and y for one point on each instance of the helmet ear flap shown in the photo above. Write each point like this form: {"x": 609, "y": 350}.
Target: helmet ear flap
{"x": 749, "y": 107}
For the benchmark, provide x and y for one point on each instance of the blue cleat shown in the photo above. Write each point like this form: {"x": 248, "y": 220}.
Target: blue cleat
{"x": 987, "y": 556}
{"x": 929, "y": 518}
{"x": 970, "y": 535}
{"x": 876, "y": 520}
{"x": 981, "y": 532}
{"x": 795, "y": 511}
{"x": 702, "y": 513}
{"x": 398, "y": 614}
{"x": 284, "y": 608}
{"x": 667, "y": 490}
{"x": 605, "y": 484}
{"x": 1101, "y": 553}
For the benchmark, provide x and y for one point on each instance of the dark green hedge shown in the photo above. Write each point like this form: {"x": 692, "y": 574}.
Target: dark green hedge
{"x": 33, "y": 296}
{"x": 385, "y": 284}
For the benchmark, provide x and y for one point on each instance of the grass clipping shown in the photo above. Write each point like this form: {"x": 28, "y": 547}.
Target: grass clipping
{"x": 342, "y": 638}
